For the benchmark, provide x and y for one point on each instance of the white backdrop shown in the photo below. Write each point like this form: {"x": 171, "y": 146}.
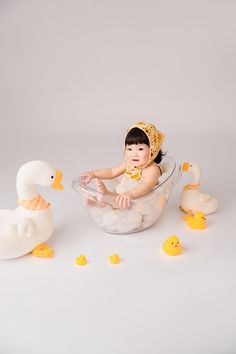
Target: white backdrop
{"x": 100, "y": 64}
{"x": 73, "y": 76}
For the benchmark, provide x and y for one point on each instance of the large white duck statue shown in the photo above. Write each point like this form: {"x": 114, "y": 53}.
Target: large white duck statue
{"x": 191, "y": 199}
{"x": 26, "y": 228}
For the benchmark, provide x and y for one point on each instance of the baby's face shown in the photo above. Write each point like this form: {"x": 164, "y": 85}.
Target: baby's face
{"x": 137, "y": 155}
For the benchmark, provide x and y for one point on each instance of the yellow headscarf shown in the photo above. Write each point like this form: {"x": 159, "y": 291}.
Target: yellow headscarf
{"x": 155, "y": 138}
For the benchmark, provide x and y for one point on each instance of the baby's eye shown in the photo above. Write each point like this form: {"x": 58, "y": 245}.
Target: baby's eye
{"x": 140, "y": 149}
{"x": 129, "y": 149}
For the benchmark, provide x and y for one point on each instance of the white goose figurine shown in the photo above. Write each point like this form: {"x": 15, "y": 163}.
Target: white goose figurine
{"x": 26, "y": 228}
{"x": 191, "y": 199}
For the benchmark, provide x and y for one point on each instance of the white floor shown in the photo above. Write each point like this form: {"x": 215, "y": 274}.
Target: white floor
{"x": 150, "y": 303}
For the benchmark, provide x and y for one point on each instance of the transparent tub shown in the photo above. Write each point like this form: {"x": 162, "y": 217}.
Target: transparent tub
{"x": 144, "y": 210}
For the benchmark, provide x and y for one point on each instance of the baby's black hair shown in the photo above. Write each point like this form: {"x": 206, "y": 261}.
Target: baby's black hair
{"x": 137, "y": 136}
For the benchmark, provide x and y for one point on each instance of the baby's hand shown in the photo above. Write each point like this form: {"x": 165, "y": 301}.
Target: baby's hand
{"x": 124, "y": 200}
{"x": 86, "y": 177}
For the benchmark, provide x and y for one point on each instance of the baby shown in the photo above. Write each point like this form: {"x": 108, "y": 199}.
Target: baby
{"x": 140, "y": 170}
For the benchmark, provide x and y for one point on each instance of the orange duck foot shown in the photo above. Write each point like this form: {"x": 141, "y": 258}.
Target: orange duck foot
{"x": 43, "y": 251}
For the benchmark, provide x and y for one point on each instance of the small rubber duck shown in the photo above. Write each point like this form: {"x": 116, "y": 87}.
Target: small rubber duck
{"x": 172, "y": 246}
{"x": 114, "y": 258}
{"x": 81, "y": 260}
{"x": 196, "y": 221}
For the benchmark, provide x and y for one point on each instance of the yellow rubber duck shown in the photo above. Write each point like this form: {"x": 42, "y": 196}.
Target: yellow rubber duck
{"x": 196, "y": 221}
{"x": 81, "y": 260}
{"x": 172, "y": 246}
{"x": 114, "y": 258}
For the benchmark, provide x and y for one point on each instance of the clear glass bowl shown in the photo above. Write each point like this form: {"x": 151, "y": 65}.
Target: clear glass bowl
{"x": 144, "y": 210}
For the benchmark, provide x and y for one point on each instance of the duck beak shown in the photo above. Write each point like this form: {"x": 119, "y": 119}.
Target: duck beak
{"x": 57, "y": 182}
{"x": 185, "y": 167}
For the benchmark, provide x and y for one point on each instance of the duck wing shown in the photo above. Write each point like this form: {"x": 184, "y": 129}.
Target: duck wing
{"x": 15, "y": 224}
{"x": 204, "y": 197}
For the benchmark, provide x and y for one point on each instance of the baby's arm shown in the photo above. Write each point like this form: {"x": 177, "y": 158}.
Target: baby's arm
{"x": 107, "y": 173}
{"x": 150, "y": 177}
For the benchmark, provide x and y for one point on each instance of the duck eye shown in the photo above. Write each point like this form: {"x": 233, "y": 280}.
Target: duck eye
{"x": 172, "y": 243}
{"x": 52, "y": 177}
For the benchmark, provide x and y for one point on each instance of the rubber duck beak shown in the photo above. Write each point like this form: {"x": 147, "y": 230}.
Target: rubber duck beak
{"x": 57, "y": 182}
{"x": 185, "y": 167}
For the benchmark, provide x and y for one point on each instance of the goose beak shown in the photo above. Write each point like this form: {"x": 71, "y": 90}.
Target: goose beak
{"x": 57, "y": 182}
{"x": 185, "y": 167}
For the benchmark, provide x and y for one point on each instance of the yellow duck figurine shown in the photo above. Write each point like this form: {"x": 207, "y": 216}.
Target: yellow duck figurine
{"x": 26, "y": 228}
{"x": 81, "y": 260}
{"x": 191, "y": 199}
{"x": 172, "y": 246}
{"x": 114, "y": 258}
{"x": 196, "y": 221}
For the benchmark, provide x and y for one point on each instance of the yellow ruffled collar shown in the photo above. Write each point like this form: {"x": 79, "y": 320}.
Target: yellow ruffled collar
{"x": 132, "y": 172}
{"x": 37, "y": 203}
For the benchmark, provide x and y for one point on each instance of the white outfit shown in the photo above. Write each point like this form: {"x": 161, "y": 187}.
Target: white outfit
{"x": 127, "y": 184}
